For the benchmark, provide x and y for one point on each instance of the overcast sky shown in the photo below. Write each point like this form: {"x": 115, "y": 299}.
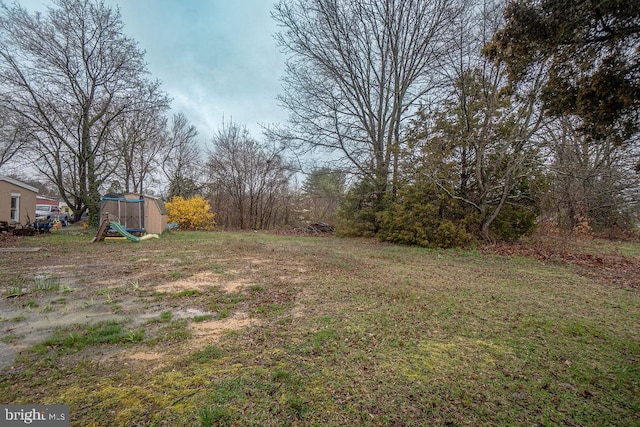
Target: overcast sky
{"x": 215, "y": 58}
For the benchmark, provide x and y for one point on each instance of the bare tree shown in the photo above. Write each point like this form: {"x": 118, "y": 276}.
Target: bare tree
{"x": 249, "y": 182}
{"x": 140, "y": 138}
{"x": 181, "y": 160}
{"x": 593, "y": 182}
{"x": 357, "y": 69}
{"x": 70, "y": 73}
{"x": 13, "y": 138}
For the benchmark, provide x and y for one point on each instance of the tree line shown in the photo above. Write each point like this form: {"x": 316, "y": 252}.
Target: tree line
{"x": 469, "y": 119}
{"x": 79, "y": 108}
{"x": 445, "y": 121}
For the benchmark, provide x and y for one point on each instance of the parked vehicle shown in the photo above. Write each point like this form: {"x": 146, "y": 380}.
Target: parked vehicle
{"x": 51, "y": 213}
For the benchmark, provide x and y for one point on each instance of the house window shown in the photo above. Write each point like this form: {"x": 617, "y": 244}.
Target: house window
{"x": 15, "y": 207}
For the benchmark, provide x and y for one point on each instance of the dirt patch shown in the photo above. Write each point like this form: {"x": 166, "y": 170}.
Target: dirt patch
{"x": 205, "y": 333}
{"x": 313, "y": 229}
{"x": 132, "y": 284}
{"x": 202, "y": 335}
{"x": 8, "y": 239}
{"x": 150, "y": 360}
{"x": 200, "y": 282}
{"x": 145, "y": 356}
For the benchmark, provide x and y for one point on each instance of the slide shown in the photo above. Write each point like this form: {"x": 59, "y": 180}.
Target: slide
{"x": 120, "y": 229}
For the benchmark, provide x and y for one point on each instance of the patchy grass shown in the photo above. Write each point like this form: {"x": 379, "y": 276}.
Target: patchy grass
{"x": 187, "y": 293}
{"x": 207, "y": 354}
{"x": 72, "y": 340}
{"x": 202, "y": 318}
{"x": 16, "y": 286}
{"x": 165, "y": 316}
{"x": 342, "y": 332}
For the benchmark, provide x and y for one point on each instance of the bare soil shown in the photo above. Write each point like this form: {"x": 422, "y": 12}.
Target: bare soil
{"x": 133, "y": 283}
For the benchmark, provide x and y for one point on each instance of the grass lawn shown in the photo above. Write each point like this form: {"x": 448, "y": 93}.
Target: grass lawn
{"x": 253, "y": 329}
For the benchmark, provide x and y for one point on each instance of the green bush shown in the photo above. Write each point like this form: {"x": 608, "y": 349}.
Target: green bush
{"x": 422, "y": 214}
{"x": 450, "y": 235}
{"x": 513, "y": 222}
{"x": 422, "y": 217}
{"x": 359, "y": 211}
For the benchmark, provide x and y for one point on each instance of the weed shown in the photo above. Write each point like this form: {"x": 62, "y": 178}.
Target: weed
{"x": 225, "y": 304}
{"x": 296, "y": 405}
{"x": 322, "y": 338}
{"x": 10, "y": 338}
{"x": 134, "y": 336}
{"x": 269, "y": 310}
{"x": 280, "y": 375}
{"x": 134, "y": 285}
{"x": 106, "y": 292}
{"x": 216, "y": 268}
{"x": 216, "y": 416}
{"x": 187, "y": 293}
{"x": 18, "y": 285}
{"x": 256, "y": 288}
{"x": 45, "y": 284}
{"x": 206, "y": 354}
{"x": 31, "y": 304}
{"x": 175, "y": 331}
{"x": 202, "y": 318}
{"x": 166, "y": 316}
{"x": 13, "y": 291}
{"x": 70, "y": 341}
{"x": 176, "y": 275}
{"x": 223, "y": 314}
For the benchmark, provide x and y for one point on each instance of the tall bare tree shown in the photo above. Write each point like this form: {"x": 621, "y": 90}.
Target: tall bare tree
{"x": 70, "y": 73}
{"x": 181, "y": 161}
{"x": 13, "y": 138}
{"x": 356, "y": 71}
{"x": 141, "y": 140}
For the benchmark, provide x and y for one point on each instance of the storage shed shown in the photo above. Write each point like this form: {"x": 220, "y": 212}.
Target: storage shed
{"x": 17, "y": 201}
{"x": 137, "y": 213}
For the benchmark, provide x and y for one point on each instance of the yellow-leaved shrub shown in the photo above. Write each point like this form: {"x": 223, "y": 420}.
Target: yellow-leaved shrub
{"x": 191, "y": 214}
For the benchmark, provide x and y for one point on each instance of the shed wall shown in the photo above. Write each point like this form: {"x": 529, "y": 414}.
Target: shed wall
{"x": 27, "y": 207}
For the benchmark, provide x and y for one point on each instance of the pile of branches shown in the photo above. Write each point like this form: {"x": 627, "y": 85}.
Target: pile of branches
{"x": 315, "y": 228}
{"x": 319, "y": 227}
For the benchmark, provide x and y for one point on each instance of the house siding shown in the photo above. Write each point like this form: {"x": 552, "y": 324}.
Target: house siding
{"x": 27, "y": 206}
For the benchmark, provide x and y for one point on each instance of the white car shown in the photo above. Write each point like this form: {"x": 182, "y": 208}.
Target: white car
{"x": 51, "y": 213}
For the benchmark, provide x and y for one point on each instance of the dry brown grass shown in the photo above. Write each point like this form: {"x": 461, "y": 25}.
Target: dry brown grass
{"x": 258, "y": 329}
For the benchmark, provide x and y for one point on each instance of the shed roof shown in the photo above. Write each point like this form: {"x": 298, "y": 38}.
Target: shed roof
{"x": 18, "y": 183}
